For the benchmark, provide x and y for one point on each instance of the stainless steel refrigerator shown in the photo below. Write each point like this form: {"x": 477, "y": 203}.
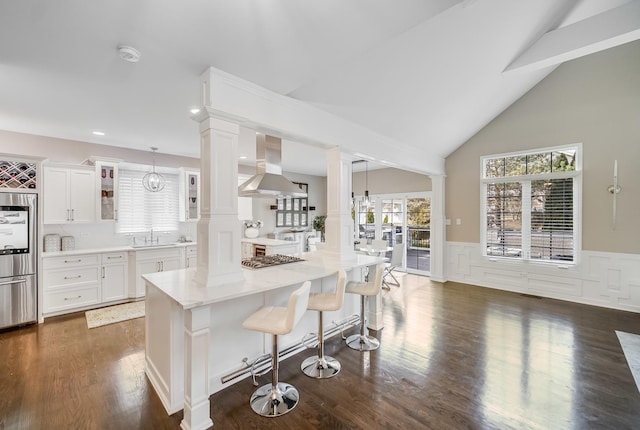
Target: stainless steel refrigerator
{"x": 18, "y": 259}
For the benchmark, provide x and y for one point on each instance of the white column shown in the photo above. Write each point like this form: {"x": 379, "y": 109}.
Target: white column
{"x": 438, "y": 240}
{"x": 339, "y": 225}
{"x": 218, "y": 228}
{"x": 196, "y": 370}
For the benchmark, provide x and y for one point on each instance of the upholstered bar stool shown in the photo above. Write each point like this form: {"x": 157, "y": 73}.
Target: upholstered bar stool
{"x": 323, "y": 366}
{"x": 362, "y": 341}
{"x": 277, "y": 398}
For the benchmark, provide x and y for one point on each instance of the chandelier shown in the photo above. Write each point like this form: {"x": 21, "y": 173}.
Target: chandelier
{"x": 153, "y": 181}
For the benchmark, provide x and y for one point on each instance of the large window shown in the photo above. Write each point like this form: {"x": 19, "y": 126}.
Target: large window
{"x": 141, "y": 210}
{"x": 530, "y": 205}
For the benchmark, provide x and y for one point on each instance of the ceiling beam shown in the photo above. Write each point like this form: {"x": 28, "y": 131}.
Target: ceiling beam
{"x": 597, "y": 33}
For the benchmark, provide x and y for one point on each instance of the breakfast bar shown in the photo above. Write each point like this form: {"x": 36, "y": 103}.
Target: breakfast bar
{"x": 194, "y": 334}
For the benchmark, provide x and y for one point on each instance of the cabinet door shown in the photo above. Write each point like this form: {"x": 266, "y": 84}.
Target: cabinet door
{"x": 56, "y": 195}
{"x": 170, "y": 263}
{"x": 82, "y": 197}
{"x": 142, "y": 268}
{"x": 107, "y": 191}
{"x": 114, "y": 282}
{"x": 189, "y": 195}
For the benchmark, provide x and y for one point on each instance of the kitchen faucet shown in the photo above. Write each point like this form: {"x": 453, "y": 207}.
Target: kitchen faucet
{"x": 157, "y": 239}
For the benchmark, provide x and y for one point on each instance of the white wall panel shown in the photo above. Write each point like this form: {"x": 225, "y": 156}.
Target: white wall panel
{"x": 604, "y": 279}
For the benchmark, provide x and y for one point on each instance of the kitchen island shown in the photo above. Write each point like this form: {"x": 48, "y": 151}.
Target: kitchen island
{"x": 194, "y": 334}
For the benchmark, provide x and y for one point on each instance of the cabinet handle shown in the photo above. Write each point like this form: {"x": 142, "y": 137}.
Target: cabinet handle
{"x": 79, "y": 260}
{"x": 162, "y": 266}
{"x": 115, "y": 212}
{"x": 111, "y": 258}
{"x": 158, "y": 266}
{"x": 73, "y": 214}
{"x": 68, "y": 216}
{"x": 103, "y": 272}
{"x": 73, "y": 277}
{"x": 73, "y": 298}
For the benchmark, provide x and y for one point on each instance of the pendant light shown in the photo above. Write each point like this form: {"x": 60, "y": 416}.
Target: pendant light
{"x": 367, "y": 202}
{"x": 153, "y": 181}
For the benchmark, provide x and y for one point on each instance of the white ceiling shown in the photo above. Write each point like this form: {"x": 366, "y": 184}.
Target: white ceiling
{"x": 429, "y": 74}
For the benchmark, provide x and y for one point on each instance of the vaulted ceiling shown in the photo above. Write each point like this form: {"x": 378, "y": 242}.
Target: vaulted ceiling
{"x": 427, "y": 74}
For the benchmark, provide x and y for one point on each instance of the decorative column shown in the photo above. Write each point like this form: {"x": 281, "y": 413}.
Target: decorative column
{"x": 218, "y": 227}
{"x": 438, "y": 239}
{"x": 339, "y": 225}
{"x": 196, "y": 373}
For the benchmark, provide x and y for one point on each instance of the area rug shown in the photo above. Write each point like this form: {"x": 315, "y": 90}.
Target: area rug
{"x": 114, "y": 314}
{"x": 631, "y": 346}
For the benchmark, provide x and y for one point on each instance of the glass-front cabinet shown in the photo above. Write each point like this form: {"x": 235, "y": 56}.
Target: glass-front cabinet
{"x": 189, "y": 195}
{"x": 106, "y": 188}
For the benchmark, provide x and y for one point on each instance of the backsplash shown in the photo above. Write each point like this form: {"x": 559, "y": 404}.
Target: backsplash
{"x": 103, "y": 235}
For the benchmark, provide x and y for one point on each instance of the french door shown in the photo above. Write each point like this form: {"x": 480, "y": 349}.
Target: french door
{"x": 398, "y": 219}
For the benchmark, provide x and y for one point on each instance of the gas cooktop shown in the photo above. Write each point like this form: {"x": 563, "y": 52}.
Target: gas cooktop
{"x": 269, "y": 261}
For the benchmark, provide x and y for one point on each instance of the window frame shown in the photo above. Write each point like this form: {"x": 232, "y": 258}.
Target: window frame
{"x": 525, "y": 181}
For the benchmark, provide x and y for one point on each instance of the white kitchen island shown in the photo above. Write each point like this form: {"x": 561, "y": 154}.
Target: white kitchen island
{"x": 194, "y": 334}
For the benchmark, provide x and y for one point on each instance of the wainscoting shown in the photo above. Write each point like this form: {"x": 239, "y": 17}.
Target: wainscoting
{"x": 603, "y": 279}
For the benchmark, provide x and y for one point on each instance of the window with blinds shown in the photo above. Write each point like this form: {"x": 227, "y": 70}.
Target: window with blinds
{"x": 140, "y": 210}
{"x": 530, "y": 205}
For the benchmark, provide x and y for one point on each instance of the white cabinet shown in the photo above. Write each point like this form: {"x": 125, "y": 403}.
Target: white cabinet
{"x": 150, "y": 261}
{"x": 83, "y": 281}
{"x": 189, "y": 195}
{"x": 114, "y": 276}
{"x": 106, "y": 189}
{"x": 282, "y": 249}
{"x": 247, "y": 250}
{"x": 71, "y": 282}
{"x": 68, "y": 194}
{"x": 190, "y": 256}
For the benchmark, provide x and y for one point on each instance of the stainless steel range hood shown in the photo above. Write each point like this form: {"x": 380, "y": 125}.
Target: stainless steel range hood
{"x": 268, "y": 180}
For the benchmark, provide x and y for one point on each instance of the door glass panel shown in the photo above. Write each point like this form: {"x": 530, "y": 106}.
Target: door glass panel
{"x": 366, "y": 221}
{"x": 419, "y": 234}
{"x": 392, "y": 222}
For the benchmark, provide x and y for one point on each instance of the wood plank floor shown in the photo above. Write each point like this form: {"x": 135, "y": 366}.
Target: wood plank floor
{"x": 453, "y": 356}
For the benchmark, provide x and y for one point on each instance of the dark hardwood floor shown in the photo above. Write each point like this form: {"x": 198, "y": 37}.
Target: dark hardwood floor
{"x": 453, "y": 356}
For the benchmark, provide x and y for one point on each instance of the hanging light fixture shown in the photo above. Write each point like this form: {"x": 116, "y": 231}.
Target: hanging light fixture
{"x": 153, "y": 181}
{"x": 367, "y": 202}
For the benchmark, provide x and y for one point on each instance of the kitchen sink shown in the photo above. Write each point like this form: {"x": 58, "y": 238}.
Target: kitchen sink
{"x": 155, "y": 245}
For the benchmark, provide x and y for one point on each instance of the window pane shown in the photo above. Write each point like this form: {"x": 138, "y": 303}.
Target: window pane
{"x": 494, "y": 168}
{"x": 563, "y": 161}
{"x": 539, "y": 163}
{"x": 515, "y": 166}
{"x": 552, "y": 220}
{"x": 504, "y": 219}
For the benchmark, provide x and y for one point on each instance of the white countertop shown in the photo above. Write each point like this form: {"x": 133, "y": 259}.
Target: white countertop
{"x": 269, "y": 242}
{"x": 119, "y": 248}
{"x": 181, "y": 287}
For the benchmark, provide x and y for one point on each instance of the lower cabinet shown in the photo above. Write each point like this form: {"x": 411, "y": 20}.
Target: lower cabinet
{"x": 115, "y": 272}
{"x": 191, "y": 257}
{"x": 150, "y": 261}
{"x": 82, "y": 281}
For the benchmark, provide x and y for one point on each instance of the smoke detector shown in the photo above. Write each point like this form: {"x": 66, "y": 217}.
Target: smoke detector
{"x": 129, "y": 53}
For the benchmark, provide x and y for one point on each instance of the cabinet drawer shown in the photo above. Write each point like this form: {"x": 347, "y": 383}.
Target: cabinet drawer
{"x": 114, "y": 257}
{"x": 71, "y": 261}
{"x": 70, "y": 298}
{"x": 192, "y": 250}
{"x": 158, "y": 254}
{"x": 70, "y": 277}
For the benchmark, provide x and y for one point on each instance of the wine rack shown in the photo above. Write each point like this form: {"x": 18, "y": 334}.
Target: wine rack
{"x": 17, "y": 174}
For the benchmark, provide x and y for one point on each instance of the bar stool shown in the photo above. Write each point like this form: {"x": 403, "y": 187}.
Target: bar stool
{"x": 277, "y": 398}
{"x": 323, "y": 366}
{"x": 362, "y": 341}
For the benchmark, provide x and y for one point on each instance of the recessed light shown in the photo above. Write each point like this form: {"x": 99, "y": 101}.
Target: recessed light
{"x": 194, "y": 111}
{"x": 243, "y": 157}
{"x": 98, "y": 133}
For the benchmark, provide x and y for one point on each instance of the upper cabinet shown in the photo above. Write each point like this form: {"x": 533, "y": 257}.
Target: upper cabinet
{"x": 189, "y": 195}
{"x": 106, "y": 189}
{"x": 68, "y": 193}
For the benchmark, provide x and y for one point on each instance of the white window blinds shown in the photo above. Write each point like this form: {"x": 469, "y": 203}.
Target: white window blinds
{"x": 141, "y": 210}
{"x": 530, "y": 205}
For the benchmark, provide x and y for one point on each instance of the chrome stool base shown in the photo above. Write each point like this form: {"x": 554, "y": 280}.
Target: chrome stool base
{"x": 320, "y": 368}
{"x": 269, "y": 403}
{"x": 362, "y": 342}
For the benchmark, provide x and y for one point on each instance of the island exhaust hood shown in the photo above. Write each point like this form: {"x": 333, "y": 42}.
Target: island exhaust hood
{"x": 268, "y": 180}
